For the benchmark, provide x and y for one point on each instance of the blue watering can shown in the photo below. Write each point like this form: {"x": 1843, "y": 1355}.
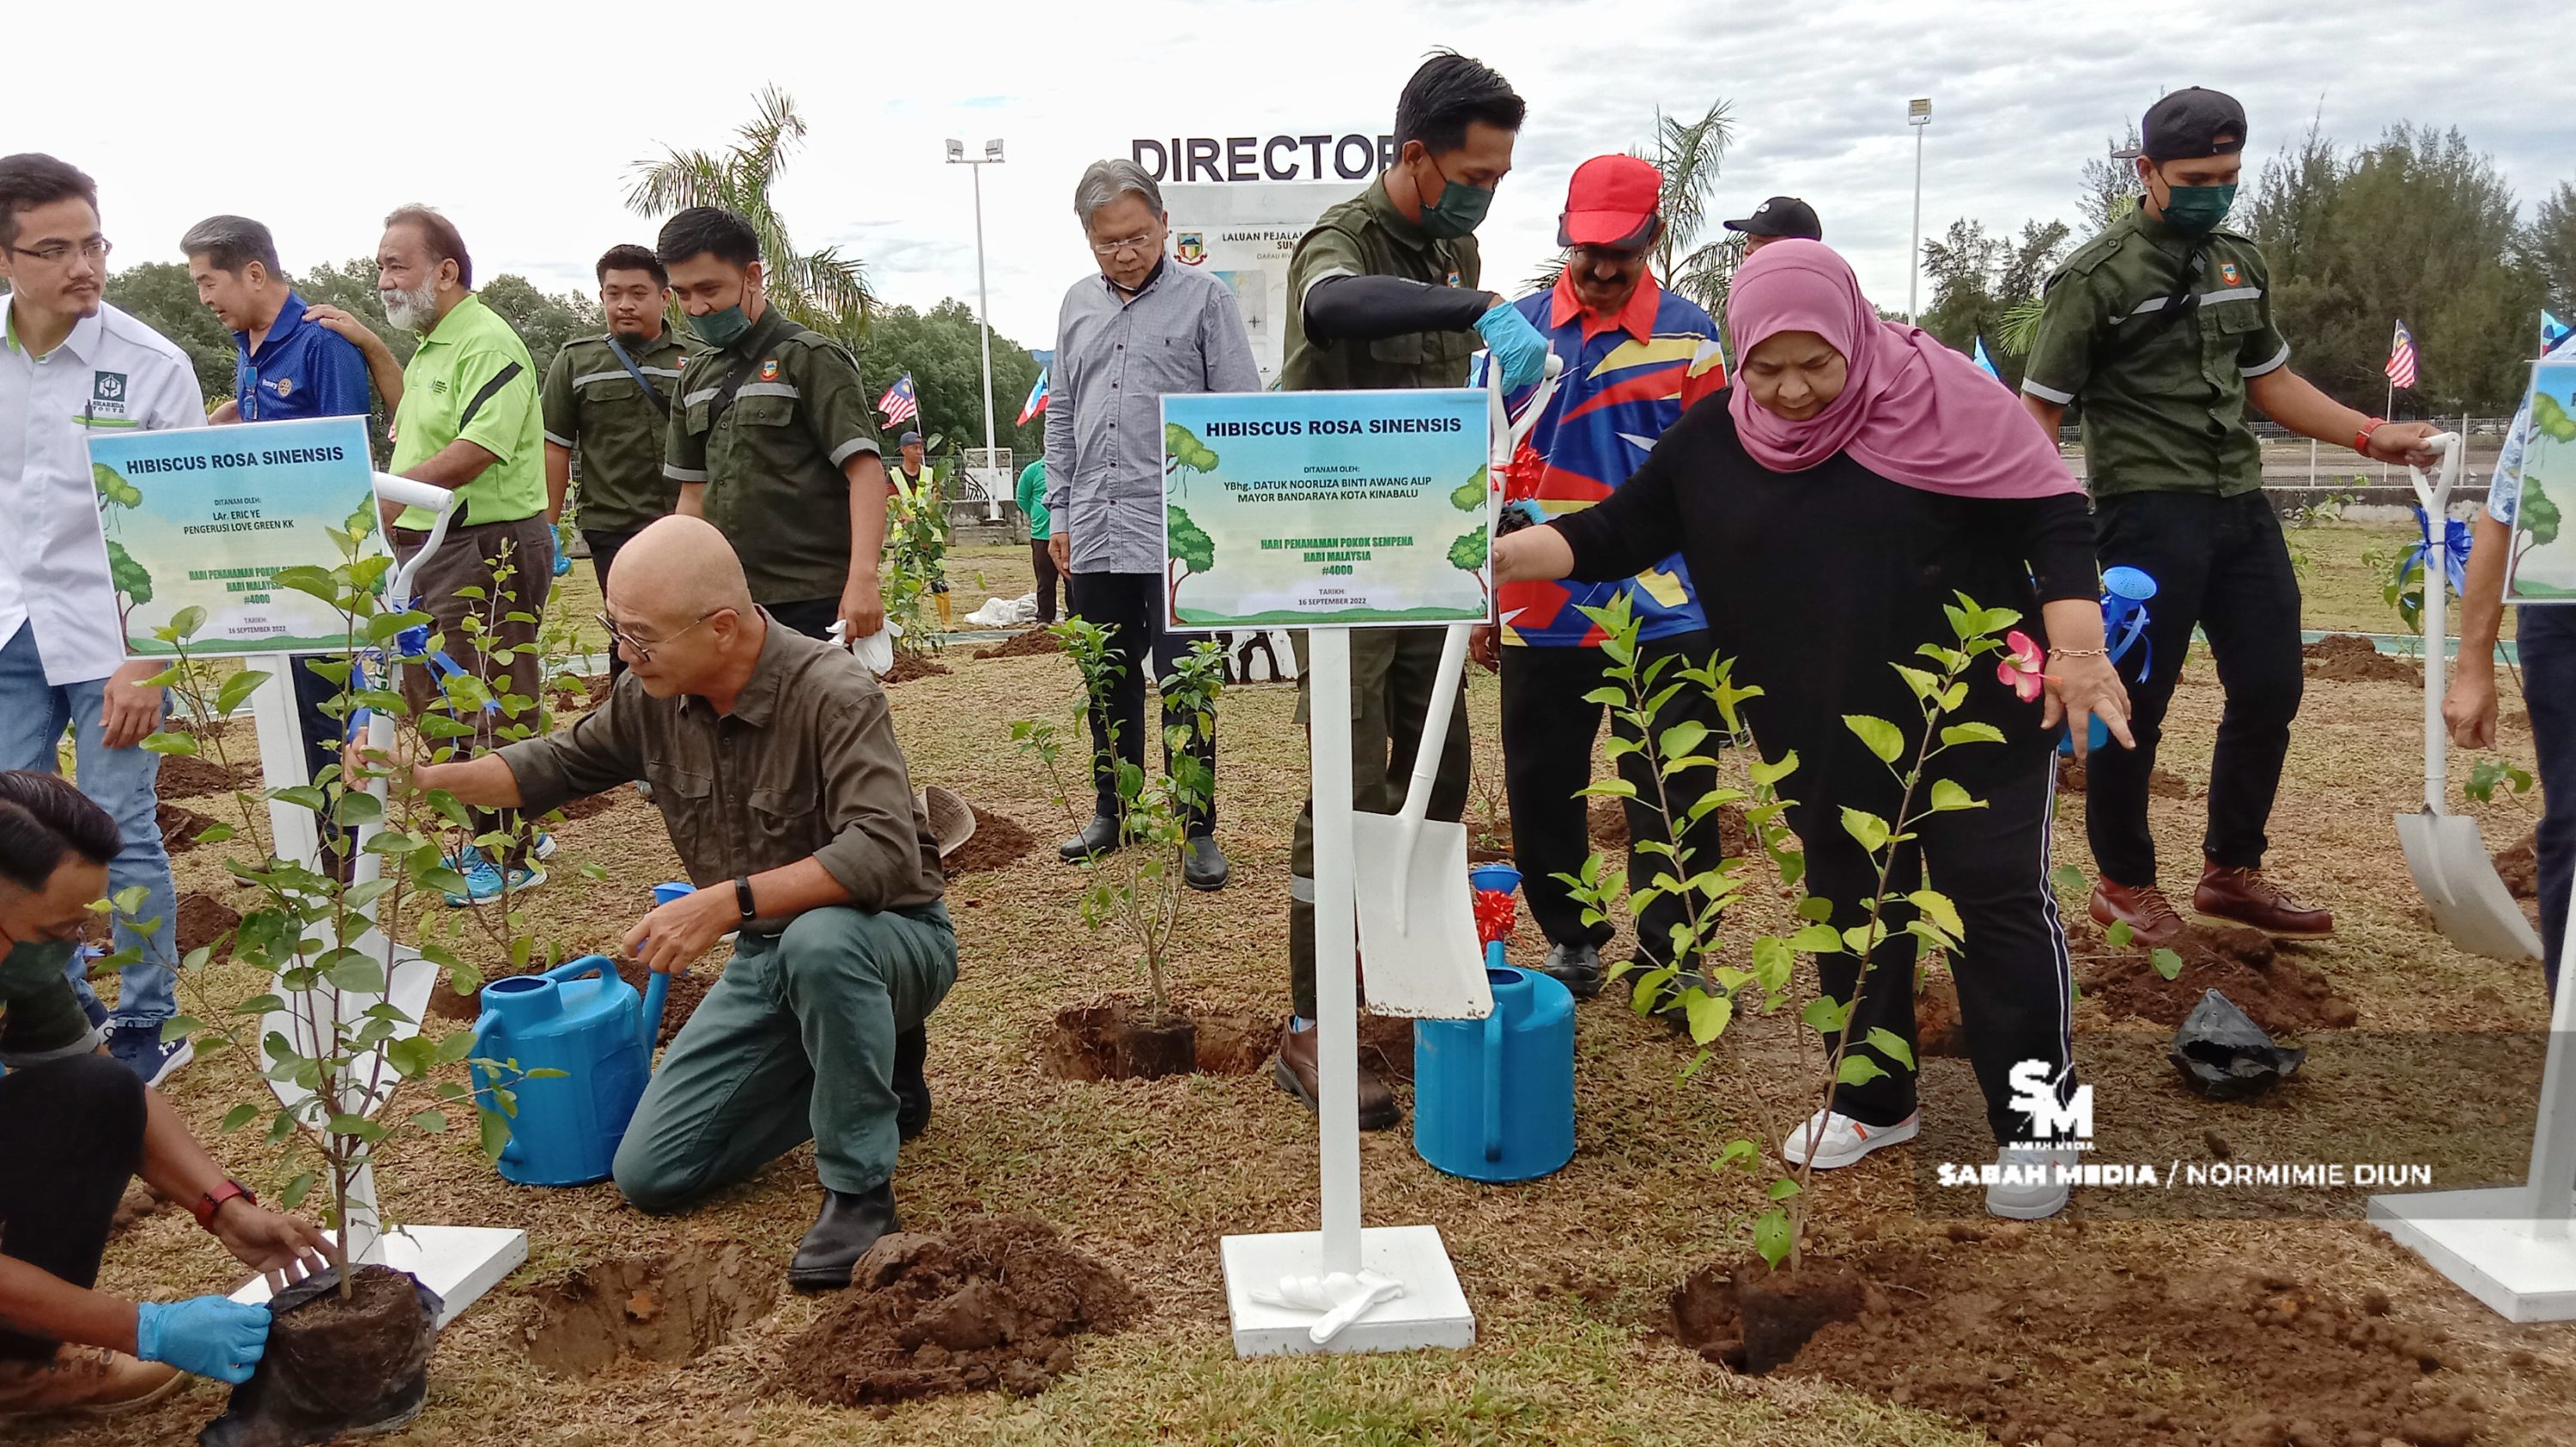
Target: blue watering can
{"x": 2125, "y": 592}
{"x": 1493, "y": 1099}
{"x": 583, "y": 1020}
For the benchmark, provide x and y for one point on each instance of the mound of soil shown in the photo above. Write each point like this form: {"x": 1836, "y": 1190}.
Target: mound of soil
{"x": 1937, "y": 1026}
{"x": 588, "y": 692}
{"x": 2281, "y": 994}
{"x": 139, "y": 1204}
{"x": 1022, "y": 645}
{"x": 2161, "y": 783}
{"x": 1752, "y": 1319}
{"x": 2034, "y": 1345}
{"x": 206, "y": 920}
{"x": 660, "y": 1308}
{"x": 180, "y": 826}
{"x": 589, "y": 806}
{"x": 991, "y": 1304}
{"x": 185, "y": 776}
{"x": 908, "y": 668}
{"x": 998, "y": 841}
{"x": 1234, "y": 1042}
{"x": 2350, "y": 658}
{"x": 2519, "y": 867}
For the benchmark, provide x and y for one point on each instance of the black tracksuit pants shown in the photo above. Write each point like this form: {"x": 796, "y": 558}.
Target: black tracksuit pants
{"x": 1548, "y": 732}
{"x": 71, "y": 1132}
{"x": 1130, "y": 606}
{"x": 2220, "y": 563}
{"x": 2013, "y": 973}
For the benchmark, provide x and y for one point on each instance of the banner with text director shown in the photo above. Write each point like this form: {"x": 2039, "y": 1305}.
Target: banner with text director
{"x": 1351, "y": 508}
{"x": 206, "y": 516}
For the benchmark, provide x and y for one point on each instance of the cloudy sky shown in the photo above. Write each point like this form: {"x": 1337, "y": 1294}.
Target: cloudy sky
{"x": 523, "y": 121}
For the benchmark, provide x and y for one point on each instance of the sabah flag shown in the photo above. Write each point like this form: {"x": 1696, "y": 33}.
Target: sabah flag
{"x": 1037, "y": 397}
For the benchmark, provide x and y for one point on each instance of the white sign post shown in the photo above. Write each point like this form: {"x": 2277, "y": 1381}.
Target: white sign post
{"x": 2510, "y": 1246}
{"x": 1335, "y": 511}
{"x": 208, "y": 516}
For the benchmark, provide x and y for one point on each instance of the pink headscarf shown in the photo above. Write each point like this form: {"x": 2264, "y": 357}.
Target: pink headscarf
{"x": 1912, "y": 410}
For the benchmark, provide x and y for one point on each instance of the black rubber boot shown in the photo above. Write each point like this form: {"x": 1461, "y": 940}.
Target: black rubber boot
{"x": 911, "y": 1087}
{"x": 850, "y": 1223}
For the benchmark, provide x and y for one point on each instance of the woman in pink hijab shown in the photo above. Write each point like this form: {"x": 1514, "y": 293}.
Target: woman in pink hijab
{"x": 1854, "y": 479}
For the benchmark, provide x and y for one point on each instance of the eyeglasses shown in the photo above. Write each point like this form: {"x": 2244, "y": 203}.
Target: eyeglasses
{"x": 95, "y": 249}
{"x": 642, "y": 647}
{"x": 1132, "y": 243}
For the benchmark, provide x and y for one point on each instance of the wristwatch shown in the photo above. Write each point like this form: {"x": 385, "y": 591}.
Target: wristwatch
{"x": 2361, "y": 439}
{"x": 742, "y": 898}
{"x": 211, "y": 1202}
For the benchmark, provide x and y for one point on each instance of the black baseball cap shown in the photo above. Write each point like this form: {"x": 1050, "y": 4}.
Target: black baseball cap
{"x": 2187, "y": 123}
{"x": 1782, "y": 216}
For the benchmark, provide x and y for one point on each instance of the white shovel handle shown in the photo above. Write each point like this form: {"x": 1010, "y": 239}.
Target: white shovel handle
{"x": 2435, "y": 495}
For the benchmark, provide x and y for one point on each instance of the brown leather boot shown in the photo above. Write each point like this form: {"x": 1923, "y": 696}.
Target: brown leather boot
{"x": 89, "y": 1381}
{"x": 1296, "y": 1073}
{"x": 2143, "y": 908}
{"x": 2244, "y": 896}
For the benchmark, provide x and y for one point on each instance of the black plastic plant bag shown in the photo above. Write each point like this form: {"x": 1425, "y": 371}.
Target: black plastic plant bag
{"x": 2224, "y": 1055}
{"x": 364, "y": 1376}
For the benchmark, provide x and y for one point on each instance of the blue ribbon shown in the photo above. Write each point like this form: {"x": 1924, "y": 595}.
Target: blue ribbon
{"x": 2454, "y": 547}
{"x": 2124, "y": 623}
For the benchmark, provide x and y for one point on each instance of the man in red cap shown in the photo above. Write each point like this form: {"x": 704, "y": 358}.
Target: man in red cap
{"x": 1635, "y": 355}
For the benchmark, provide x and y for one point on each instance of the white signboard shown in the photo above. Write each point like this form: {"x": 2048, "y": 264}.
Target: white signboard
{"x": 1245, "y": 233}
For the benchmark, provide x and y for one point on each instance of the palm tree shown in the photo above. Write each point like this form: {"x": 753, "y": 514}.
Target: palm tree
{"x": 824, "y": 289}
{"x": 1689, "y": 153}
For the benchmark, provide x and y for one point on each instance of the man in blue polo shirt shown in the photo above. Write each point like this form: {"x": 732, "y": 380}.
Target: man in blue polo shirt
{"x": 1636, "y": 357}
{"x": 288, "y": 362}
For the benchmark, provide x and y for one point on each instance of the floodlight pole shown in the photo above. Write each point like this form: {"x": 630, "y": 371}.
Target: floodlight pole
{"x": 1918, "y": 114}
{"x": 983, "y": 309}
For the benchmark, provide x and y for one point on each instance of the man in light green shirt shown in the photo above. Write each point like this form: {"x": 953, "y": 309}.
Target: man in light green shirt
{"x": 1031, "y": 492}
{"x": 469, "y": 422}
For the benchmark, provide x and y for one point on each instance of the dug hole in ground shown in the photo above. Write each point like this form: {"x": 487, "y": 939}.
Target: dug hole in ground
{"x": 2286, "y": 1321}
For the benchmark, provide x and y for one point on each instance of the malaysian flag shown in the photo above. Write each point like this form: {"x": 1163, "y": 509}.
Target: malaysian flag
{"x": 899, "y": 404}
{"x": 2401, "y": 358}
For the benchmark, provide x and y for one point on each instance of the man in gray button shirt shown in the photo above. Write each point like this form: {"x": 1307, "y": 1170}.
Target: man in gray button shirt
{"x": 1145, "y": 327}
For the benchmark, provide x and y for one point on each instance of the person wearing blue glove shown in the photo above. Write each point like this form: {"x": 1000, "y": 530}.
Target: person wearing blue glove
{"x": 1386, "y": 295}
{"x": 75, "y": 1126}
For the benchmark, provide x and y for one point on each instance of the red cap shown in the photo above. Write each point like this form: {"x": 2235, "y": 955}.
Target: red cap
{"x": 1612, "y": 202}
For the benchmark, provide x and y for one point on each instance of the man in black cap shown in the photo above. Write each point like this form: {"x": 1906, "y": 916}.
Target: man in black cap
{"x": 2162, "y": 328}
{"x": 1778, "y": 219}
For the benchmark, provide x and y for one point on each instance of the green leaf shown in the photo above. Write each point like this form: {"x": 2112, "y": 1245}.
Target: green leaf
{"x": 1773, "y": 1237}
{"x": 166, "y": 742}
{"x": 1888, "y": 1043}
{"x": 1948, "y": 794}
{"x": 1683, "y": 738}
{"x": 1763, "y": 772}
{"x": 1870, "y": 830}
{"x": 2068, "y": 876}
{"x": 1938, "y": 907}
{"x": 2119, "y": 934}
{"x": 1970, "y": 733}
{"x": 237, "y": 690}
{"x": 1773, "y": 961}
{"x": 353, "y": 971}
{"x": 1877, "y": 735}
{"x": 1782, "y": 1189}
{"x": 296, "y": 1190}
{"x": 455, "y": 1047}
{"x": 239, "y": 1116}
{"x": 1817, "y": 939}
{"x": 496, "y": 1133}
{"x": 1608, "y": 789}
{"x": 432, "y": 1121}
{"x": 1856, "y": 1069}
{"x": 1739, "y": 1153}
{"x": 1825, "y": 1015}
{"x": 2167, "y": 963}
{"x": 1815, "y": 908}
{"x": 1708, "y": 1015}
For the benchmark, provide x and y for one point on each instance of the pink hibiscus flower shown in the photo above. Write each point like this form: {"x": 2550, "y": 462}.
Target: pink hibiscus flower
{"x": 2024, "y": 666}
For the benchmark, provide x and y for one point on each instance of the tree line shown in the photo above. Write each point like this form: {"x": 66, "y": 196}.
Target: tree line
{"x": 2416, "y": 225}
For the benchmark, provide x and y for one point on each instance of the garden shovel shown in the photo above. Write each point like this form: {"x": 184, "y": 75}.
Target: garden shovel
{"x": 1417, "y": 915}
{"x": 2454, "y": 872}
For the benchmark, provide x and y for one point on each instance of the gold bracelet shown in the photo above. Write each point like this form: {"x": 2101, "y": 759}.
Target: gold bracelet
{"x": 2079, "y": 653}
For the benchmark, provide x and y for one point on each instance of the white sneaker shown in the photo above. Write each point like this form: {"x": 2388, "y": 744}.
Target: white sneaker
{"x": 1839, "y": 1140}
{"x": 2027, "y": 1188}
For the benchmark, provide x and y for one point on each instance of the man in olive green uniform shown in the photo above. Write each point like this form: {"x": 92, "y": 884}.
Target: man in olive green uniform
{"x": 1386, "y": 296}
{"x": 772, "y": 440}
{"x": 609, "y": 398}
{"x": 2161, "y": 328}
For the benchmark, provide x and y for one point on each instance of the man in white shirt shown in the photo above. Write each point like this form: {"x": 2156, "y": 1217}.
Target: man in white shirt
{"x": 70, "y": 367}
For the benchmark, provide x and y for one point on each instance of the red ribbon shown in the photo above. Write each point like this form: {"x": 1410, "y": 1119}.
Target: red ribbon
{"x": 1495, "y": 912}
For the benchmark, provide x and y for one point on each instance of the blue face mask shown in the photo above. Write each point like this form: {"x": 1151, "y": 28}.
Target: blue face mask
{"x": 2197, "y": 210}
{"x": 721, "y": 328}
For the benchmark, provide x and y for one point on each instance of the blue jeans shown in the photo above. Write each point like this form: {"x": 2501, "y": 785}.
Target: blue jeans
{"x": 33, "y": 714}
{"x": 2547, "y": 638}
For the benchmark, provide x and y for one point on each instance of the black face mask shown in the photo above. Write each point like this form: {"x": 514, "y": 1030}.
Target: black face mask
{"x": 1139, "y": 288}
